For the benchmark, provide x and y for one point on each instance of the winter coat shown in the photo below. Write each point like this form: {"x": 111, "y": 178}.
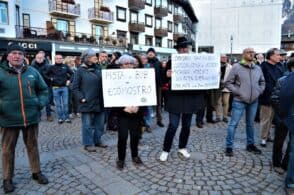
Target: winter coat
{"x": 183, "y": 101}
{"x": 287, "y": 96}
{"x": 246, "y": 83}
{"x": 59, "y": 74}
{"x": 271, "y": 74}
{"x": 227, "y": 71}
{"x": 87, "y": 85}
{"x": 155, "y": 63}
{"x": 42, "y": 69}
{"x": 22, "y": 96}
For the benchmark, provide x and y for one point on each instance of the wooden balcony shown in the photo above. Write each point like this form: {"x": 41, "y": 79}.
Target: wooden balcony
{"x": 99, "y": 16}
{"x": 178, "y": 18}
{"x": 160, "y": 11}
{"x": 136, "y": 4}
{"x": 177, "y": 35}
{"x": 135, "y": 26}
{"x": 160, "y": 32}
{"x": 62, "y": 9}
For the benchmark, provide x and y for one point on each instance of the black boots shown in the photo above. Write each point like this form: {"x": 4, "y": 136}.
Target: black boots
{"x": 8, "y": 186}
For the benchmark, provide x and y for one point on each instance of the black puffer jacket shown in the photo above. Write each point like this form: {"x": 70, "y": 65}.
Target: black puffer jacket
{"x": 42, "y": 69}
{"x": 59, "y": 74}
{"x": 87, "y": 85}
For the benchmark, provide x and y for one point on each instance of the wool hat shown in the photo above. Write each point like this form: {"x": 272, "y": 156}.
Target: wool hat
{"x": 151, "y": 50}
{"x": 15, "y": 47}
{"x": 182, "y": 42}
{"x": 87, "y": 54}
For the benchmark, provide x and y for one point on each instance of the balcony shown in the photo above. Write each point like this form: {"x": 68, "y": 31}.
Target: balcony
{"x": 135, "y": 26}
{"x": 52, "y": 34}
{"x": 177, "y": 35}
{"x": 160, "y": 11}
{"x": 160, "y": 32}
{"x": 99, "y": 16}
{"x": 136, "y": 4}
{"x": 63, "y": 9}
{"x": 178, "y": 18}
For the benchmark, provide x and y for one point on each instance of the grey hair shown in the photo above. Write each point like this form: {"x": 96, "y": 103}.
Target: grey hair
{"x": 124, "y": 59}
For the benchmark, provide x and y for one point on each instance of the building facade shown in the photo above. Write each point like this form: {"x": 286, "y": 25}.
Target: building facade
{"x": 229, "y": 26}
{"x": 71, "y": 26}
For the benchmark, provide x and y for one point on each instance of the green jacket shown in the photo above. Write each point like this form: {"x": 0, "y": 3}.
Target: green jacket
{"x": 22, "y": 96}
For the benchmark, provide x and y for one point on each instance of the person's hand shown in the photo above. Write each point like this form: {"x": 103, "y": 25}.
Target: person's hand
{"x": 67, "y": 82}
{"x": 128, "y": 109}
{"x": 169, "y": 73}
{"x": 134, "y": 109}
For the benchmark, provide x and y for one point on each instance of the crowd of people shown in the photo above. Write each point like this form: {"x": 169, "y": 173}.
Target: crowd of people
{"x": 72, "y": 87}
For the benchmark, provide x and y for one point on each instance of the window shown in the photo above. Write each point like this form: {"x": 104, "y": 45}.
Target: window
{"x": 121, "y": 34}
{"x": 170, "y": 7}
{"x": 134, "y": 38}
{"x": 169, "y": 26}
{"x": 26, "y": 20}
{"x": 176, "y": 29}
{"x": 121, "y": 13}
{"x": 160, "y": 3}
{"x": 17, "y": 15}
{"x": 176, "y": 9}
{"x": 158, "y": 42}
{"x": 148, "y": 40}
{"x": 3, "y": 13}
{"x": 170, "y": 43}
{"x": 133, "y": 17}
{"x": 148, "y": 20}
{"x": 62, "y": 25}
{"x": 148, "y": 2}
{"x": 158, "y": 23}
{"x": 99, "y": 32}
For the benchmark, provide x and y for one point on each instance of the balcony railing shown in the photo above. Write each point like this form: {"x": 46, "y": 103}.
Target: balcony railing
{"x": 160, "y": 11}
{"x": 64, "y": 9}
{"x": 177, "y": 35}
{"x": 137, "y": 4}
{"x": 160, "y": 32}
{"x": 98, "y": 16}
{"x": 178, "y": 18}
{"x": 23, "y": 32}
{"x": 135, "y": 26}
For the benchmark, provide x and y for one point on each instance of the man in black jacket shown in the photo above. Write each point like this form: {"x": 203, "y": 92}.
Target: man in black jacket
{"x": 180, "y": 104}
{"x": 42, "y": 66}
{"x": 59, "y": 76}
{"x": 271, "y": 73}
{"x": 155, "y": 63}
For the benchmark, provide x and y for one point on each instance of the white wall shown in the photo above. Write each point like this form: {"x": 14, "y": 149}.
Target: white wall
{"x": 10, "y": 27}
{"x": 254, "y": 23}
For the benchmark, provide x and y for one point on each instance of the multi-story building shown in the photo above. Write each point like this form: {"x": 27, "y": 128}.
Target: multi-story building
{"x": 229, "y": 26}
{"x": 71, "y": 26}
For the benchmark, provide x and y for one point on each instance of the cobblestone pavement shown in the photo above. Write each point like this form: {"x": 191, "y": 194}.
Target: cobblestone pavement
{"x": 71, "y": 170}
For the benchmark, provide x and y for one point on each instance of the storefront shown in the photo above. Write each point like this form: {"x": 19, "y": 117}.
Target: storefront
{"x": 31, "y": 47}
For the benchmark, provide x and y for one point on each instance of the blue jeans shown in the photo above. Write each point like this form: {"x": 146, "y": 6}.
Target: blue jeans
{"x": 290, "y": 174}
{"x": 148, "y": 116}
{"x": 237, "y": 112}
{"x": 174, "y": 120}
{"x": 92, "y": 127}
{"x": 61, "y": 102}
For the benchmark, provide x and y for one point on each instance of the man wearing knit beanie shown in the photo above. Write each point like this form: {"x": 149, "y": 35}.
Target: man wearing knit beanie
{"x": 23, "y": 93}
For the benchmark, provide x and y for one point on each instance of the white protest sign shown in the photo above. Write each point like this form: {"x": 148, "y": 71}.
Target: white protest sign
{"x": 129, "y": 87}
{"x": 195, "y": 71}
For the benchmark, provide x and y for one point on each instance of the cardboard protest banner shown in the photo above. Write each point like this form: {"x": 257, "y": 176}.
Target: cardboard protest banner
{"x": 129, "y": 87}
{"x": 195, "y": 71}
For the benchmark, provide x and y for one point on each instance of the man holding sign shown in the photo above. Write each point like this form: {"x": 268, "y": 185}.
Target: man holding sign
{"x": 180, "y": 104}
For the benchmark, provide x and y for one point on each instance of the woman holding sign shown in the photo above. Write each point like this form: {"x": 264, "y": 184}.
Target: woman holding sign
{"x": 129, "y": 120}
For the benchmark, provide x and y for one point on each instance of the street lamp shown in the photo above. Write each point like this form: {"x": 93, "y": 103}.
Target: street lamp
{"x": 231, "y": 42}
